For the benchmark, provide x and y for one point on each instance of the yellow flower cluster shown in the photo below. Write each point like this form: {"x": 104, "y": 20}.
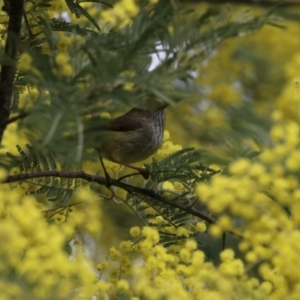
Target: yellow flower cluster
{"x": 116, "y": 284}
{"x": 34, "y": 251}
{"x": 167, "y": 148}
{"x": 264, "y": 195}
{"x": 229, "y": 265}
{"x": 225, "y": 94}
{"x": 186, "y": 275}
{"x": 63, "y": 62}
{"x": 11, "y": 138}
{"x": 288, "y": 102}
{"x": 172, "y": 186}
{"x": 57, "y": 7}
{"x": 25, "y": 62}
{"x": 121, "y": 13}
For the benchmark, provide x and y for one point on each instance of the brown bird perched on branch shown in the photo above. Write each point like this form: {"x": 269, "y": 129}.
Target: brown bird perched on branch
{"x": 131, "y": 137}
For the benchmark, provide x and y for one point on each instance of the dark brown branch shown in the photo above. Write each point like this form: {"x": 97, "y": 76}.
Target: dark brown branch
{"x": 127, "y": 187}
{"x": 14, "y": 119}
{"x": 6, "y": 6}
{"x": 15, "y": 11}
{"x": 248, "y": 2}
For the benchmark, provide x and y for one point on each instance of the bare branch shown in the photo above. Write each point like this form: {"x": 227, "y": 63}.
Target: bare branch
{"x": 127, "y": 187}
{"x": 14, "y": 119}
{"x": 249, "y": 2}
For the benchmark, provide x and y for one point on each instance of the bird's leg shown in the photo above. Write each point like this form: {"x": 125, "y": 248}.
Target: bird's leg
{"x": 144, "y": 172}
{"x": 141, "y": 171}
{"x": 108, "y": 179}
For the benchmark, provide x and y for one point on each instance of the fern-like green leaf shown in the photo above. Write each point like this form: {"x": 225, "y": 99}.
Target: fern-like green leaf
{"x": 15, "y": 100}
{"x": 62, "y": 25}
{"x": 25, "y": 159}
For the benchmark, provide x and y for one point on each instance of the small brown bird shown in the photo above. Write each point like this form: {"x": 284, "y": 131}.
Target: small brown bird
{"x": 132, "y": 137}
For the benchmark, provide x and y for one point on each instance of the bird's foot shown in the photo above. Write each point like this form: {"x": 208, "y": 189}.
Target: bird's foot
{"x": 108, "y": 179}
{"x": 141, "y": 171}
{"x": 144, "y": 172}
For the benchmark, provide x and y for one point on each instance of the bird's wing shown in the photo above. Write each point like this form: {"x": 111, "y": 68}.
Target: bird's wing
{"x": 125, "y": 123}
{"x": 130, "y": 121}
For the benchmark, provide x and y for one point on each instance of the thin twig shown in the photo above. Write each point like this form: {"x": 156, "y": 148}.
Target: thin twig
{"x": 13, "y": 119}
{"x": 250, "y": 2}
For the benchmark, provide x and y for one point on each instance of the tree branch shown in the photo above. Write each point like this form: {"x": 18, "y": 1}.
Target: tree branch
{"x": 249, "y": 2}
{"x": 13, "y": 119}
{"x": 15, "y": 11}
{"x": 127, "y": 187}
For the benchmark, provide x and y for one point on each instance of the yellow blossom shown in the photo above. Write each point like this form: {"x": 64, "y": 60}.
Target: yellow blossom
{"x": 126, "y": 246}
{"x": 215, "y": 230}
{"x": 59, "y": 219}
{"x": 225, "y": 94}
{"x": 145, "y": 247}
{"x": 239, "y": 167}
{"x": 201, "y": 227}
{"x": 277, "y": 133}
{"x": 268, "y": 156}
{"x": 114, "y": 254}
{"x": 178, "y": 186}
{"x": 61, "y": 58}
{"x": 251, "y": 257}
{"x": 25, "y": 62}
{"x": 181, "y": 231}
{"x": 256, "y": 170}
{"x": 46, "y": 48}
{"x": 266, "y": 287}
{"x": 105, "y": 115}
{"x": 277, "y": 170}
{"x": 151, "y": 234}
{"x": 159, "y": 220}
{"x": 225, "y": 223}
{"x": 185, "y": 255}
{"x": 232, "y": 268}
{"x": 67, "y": 70}
{"x": 204, "y": 192}
{"x": 198, "y": 258}
{"x": 191, "y": 245}
{"x": 227, "y": 255}
{"x": 293, "y": 160}
{"x": 277, "y": 115}
{"x": 114, "y": 273}
{"x": 128, "y": 86}
{"x": 167, "y": 149}
{"x": 3, "y": 174}
{"x": 166, "y": 135}
{"x": 84, "y": 194}
{"x": 102, "y": 266}
{"x": 103, "y": 286}
{"x": 135, "y": 231}
{"x": 123, "y": 285}
{"x": 130, "y": 7}
{"x": 264, "y": 180}
{"x": 167, "y": 185}
{"x": 244, "y": 246}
